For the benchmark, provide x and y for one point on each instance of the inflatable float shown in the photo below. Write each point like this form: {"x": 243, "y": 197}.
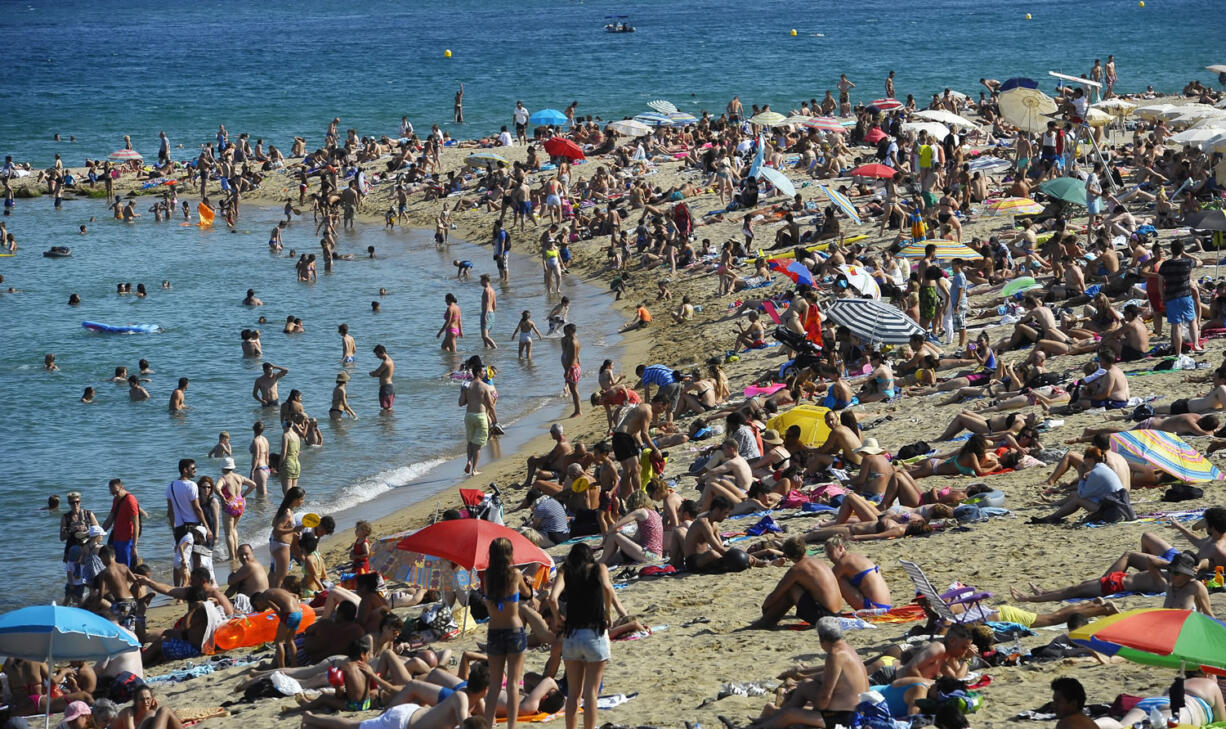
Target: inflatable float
{"x": 57, "y": 252}
{"x": 94, "y": 326}
{"x": 255, "y": 629}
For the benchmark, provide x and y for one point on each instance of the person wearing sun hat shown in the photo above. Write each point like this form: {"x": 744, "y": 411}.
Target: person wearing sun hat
{"x": 774, "y": 457}
{"x": 340, "y": 399}
{"x": 875, "y": 472}
{"x": 76, "y": 715}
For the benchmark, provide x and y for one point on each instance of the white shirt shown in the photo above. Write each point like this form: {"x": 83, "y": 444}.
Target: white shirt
{"x": 1093, "y": 188}
{"x": 181, "y": 494}
{"x": 1081, "y": 106}
{"x": 521, "y": 115}
{"x": 504, "y": 139}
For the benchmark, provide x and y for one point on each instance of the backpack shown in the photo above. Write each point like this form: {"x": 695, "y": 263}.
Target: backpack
{"x": 883, "y": 149}
{"x": 918, "y": 448}
{"x": 124, "y": 687}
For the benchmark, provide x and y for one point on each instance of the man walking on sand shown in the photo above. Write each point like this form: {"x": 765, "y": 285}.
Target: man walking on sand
{"x": 385, "y": 370}
{"x": 570, "y": 365}
{"x": 477, "y": 399}
{"x": 521, "y": 122}
{"x": 489, "y": 305}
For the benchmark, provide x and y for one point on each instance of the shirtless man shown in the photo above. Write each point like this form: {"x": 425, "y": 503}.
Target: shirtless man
{"x": 860, "y": 580}
{"x": 489, "y": 305}
{"x": 385, "y": 370}
{"x": 289, "y": 613}
{"x": 265, "y": 388}
{"x": 199, "y": 578}
{"x": 1037, "y": 323}
{"x": 453, "y": 327}
{"x": 1068, "y": 702}
{"x": 251, "y": 576}
{"x": 136, "y": 391}
{"x": 571, "y": 371}
{"x": 178, "y": 398}
{"x": 259, "y": 459}
{"x": 116, "y": 582}
{"x": 1157, "y": 552}
{"x": 349, "y": 348}
{"x": 834, "y": 694}
{"x": 358, "y": 677}
{"x": 1183, "y": 590}
{"x": 552, "y": 464}
{"x": 477, "y": 399}
{"x": 736, "y": 473}
{"x": 1129, "y": 341}
{"x": 808, "y": 584}
{"x": 703, "y": 547}
{"x": 945, "y": 657}
{"x": 631, "y": 434}
{"x": 1108, "y": 389}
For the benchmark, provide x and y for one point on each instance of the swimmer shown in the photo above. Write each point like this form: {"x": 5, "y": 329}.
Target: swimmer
{"x": 136, "y": 393}
{"x": 349, "y": 348}
{"x": 84, "y": 230}
{"x": 88, "y": 396}
{"x": 49, "y": 363}
{"x": 251, "y": 299}
{"x": 374, "y": 307}
{"x": 74, "y": 300}
{"x": 223, "y": 448}
{"x": 178, "y": 398}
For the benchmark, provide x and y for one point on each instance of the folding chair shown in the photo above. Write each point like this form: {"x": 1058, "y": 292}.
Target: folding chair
{"x": 942, "y": 603}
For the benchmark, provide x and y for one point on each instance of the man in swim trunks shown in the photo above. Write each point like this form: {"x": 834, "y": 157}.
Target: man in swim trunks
{"x": 250, "y": 577}
{"x": 859, "y": 579}
{"x": 571, "y": 371}
{"x": 703, "y": 547}
{"x": 351, "y": 680}
{"x": 265, "y": 388}
{"x": 489, "y": 305}
{"x": 808, "y": 584}
{"x": 285, "y": 604}
{"x": 834, "y": 694}
{"x": 1106, "y": 388}
{"x": 452, "y": 324}
{"x": 1183, "y": 591}
{"x": 1158, "y": 553}
{"x": 387, "y": 368}
{"x": 1130, "y": 340}
{"x": 477, "y": 399}
{"x": 349, "y": 348}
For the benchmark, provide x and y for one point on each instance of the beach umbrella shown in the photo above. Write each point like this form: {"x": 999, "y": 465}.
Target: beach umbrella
{"x": 1098, "y": 118}
{"x": 1177, "y": 639}
{"x": 873, "y": 321}
{"x": 1153, "y": 111}
{"x": 988, "y": 163}
{"x": 885, "y": 104}
{"x": 1018, "y": 82}
{"x": 547, "y": 117}
{"x": 1015, "y": 206}
{"x": 935, "y": 130}
{"x": 1207, "y": 220}
{"x": 485, "y": 159}
{"x": 874, "y": 169}
{"x": 653, "y": 119}
{"x": 779, "y": 180}
{"x": 794, "y": 270}
{"x": 767, "y": 119}
{"x": 680, "y": 118}
{"x": 662, "y": 106}
{"x": 946, "y": 250}
{"x": 562, "y": 147}
{"x": 825, "y": 124}
{"x": 861, "y": 280}
{"x": 943, "y": 116}
{"x": 874, "y": 135}
{"x": 1216, "y": 68}
{"x": 1068, "y": 189}
{"x": 1026, "y": 108}
{"x": 412, "y": 568}
{"x": 798, "y": 120}
{"x": 840, "y": 201}
{"x": 1166, "y": 452}
{"x": 1115, "y": 106}
{"x": 1196, "y": 137}
{"x": 56, "y": 632}
{"x": 630, "y": 128}
{"x": 1021, "y": 283}
{"x": 759, "y": 157}
{"x": 125, "y": 155}
{"x": 811, "y": 419}
{"x": 466, "y": 542}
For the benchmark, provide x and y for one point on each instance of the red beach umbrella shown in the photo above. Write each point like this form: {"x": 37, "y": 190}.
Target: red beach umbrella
{"x": 885, "y": 104}
{"x": 125, "y": 155}
{"x": 562, "y": 147}
{"x": 875, "y": 169}
{"x": 467, "y": 543}
{"x": 874, "y": 135}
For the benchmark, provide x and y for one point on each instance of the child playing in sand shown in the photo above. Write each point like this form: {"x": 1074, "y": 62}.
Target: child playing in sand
{"x": 523, "y": 331}
{"x": 463, "y": 269}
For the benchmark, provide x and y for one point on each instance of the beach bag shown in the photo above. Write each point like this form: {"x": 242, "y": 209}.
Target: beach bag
{"x": 1183, "y": 492}
{"x": 918, "y": 448}
{"x": 124, "y": 687}
{"x": 438, "y": 617}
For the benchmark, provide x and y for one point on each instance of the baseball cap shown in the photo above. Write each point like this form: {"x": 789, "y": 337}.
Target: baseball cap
{"x": 76, "y": 710}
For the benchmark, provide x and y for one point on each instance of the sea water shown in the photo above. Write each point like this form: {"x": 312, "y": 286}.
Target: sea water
{"x": 52, "y": 443}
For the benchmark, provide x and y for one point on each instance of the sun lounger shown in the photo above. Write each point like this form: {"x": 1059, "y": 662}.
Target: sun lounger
{"x": 942, "y": 604}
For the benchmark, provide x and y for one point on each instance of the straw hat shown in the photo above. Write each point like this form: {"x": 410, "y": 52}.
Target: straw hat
{"x": 771, "y": 437}
{"x": 342, "y": 376}
{"x": 870, "y": 447}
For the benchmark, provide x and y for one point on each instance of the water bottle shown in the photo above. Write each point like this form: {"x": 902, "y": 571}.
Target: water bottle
{"x": 1155, "y": 718}
{"x": 1016, "y": 650}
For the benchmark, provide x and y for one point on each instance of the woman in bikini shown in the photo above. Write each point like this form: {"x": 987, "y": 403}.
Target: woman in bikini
{"x": 860, "y": 579}
{"x": 972, "y": 459}
{"x": 284, "y": 527}
{"x": 503, "y": 585}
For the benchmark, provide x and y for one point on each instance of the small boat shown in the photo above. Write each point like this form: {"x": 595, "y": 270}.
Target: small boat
{"x": 619, "y": 24}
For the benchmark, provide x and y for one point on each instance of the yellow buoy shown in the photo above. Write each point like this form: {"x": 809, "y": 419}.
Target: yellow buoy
{"x": 447, "y": 53}
{"x": 1027, "y": 16}
{"x": 793, "y": 32}
{"x": 1141, "y": 4}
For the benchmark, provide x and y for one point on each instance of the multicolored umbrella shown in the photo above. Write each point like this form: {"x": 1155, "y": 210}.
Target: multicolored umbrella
{"x": 875, "y": 169}
{"x": 873, "y": 321}
{"x": 1015, "y": 206}
{"x": 654, "y": 119}
{"x": 1178, "y": 639}
{"x": 825, "y": 124}
{"x": 767, "y": 119}
{"x": 861, "y": 280}
{"x": 1068, "y": 189}
{"x": 793, "y": 269}
{"x": 841, "y": 202}
{"x": 947, "y": 250}
{"x": 562, "y": 147}
{"x": 125, "y": 155}
{"x": 885, "y": 104}
{"x": 1166, "y": 452}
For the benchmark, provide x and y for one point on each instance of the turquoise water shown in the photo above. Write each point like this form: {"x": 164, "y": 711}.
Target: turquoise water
{"x": 54, "y": 444}
{"x": 100, "y": 71}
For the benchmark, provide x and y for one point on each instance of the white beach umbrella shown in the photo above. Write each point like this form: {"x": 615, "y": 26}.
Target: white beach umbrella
{"x": 1098, "y": 118}
{"x": 630, "y": 128}
{"x": 1152, "y": 111}
{"x": 935, "y": 130}
{"x": 945, "y": 117}
{"x": 1196, "y": 137}
{"x": 1026, "y": 108}
{"x": 1116, "y": 106}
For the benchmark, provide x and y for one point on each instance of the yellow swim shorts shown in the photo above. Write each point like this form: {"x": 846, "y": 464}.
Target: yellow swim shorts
{"x": 476, "y": 428}
{"x": 1010, "y": 614}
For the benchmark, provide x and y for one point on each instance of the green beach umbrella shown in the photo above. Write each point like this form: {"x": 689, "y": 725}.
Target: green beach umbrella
{"x": 1022, "y": 283}
{"x": 1175, "y": 639}
{"x": 1068, "y": 189}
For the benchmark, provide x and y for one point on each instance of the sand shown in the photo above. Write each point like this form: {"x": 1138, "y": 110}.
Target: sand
{"x": 678, "y": 672}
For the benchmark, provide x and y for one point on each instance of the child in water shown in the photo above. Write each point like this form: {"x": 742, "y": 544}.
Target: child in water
{"x": 463, "y": 269}
{"x": 523, "y": 331}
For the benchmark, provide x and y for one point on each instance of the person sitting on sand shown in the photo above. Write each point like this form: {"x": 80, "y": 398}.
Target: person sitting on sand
{"x": 1157, "y": 552}
{"x": 730, "y": 478}
{"x": 860, "y": 580}
{"x": 1183, "y": 591}
{"x": 945, "y": 657}
{"x": 147, "y": 713}
{"x": 352, "y": 681}
{"x": 1105, "y": 388}
{"x": 1099, "y": 492}
{"x": 704, "y": 550}
{"x": 808, "y": 584}
{"x": 843, "y": 442}
{"x": 834, "y": 695}
{"x": 551, "y": 463}
{"x": 648, "y": 542}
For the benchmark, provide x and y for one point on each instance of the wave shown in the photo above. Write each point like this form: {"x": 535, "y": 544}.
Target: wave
{"x": 371, "y": 487}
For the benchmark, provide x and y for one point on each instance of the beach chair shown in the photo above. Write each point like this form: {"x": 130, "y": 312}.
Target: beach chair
{"x": 942, "y": 603}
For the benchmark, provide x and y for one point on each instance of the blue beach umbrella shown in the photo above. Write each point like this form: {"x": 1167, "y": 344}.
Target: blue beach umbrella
{"x": 56, "y": 632}
{"x": 547, "y": 117}
{"x": 654, "y": 119}
{"x": 759, "y": 158}
{"x": 842, "y": 203}
{"x": 1019, "y": 82}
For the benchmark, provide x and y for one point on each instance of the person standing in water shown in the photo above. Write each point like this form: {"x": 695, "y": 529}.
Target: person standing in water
{"x": 477, "y": 399}
{"x": 571, "y": 371}
{"x": 178, "y": 398}
{"x": 459, "y": 105}
{"x": 385, "y": 370}
{"x": 340, "y": 399}
{"x": 489, "y": 305}
{"x": 349, "y": 348}
{"x": 259, "y": 459}
{"x": 452, "y": 324}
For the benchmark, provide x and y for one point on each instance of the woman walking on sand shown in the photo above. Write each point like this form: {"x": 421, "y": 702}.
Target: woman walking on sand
{"x": 585, "y": 648}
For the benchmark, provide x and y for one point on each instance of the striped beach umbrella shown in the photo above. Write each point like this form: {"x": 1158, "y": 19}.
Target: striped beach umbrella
{"x": 654, "y": 119}
{"x": 988, "y": 163}
{"x": 680, "y": 118}
{"x": 826, "y": 124}
{"x": 1166, "y": 452}
{"x": 840, "y": 201}
{"x": 630, "y": 128}
{"x": 1178, "y": 639}
{"x": 873, "y": 321}
{"x": 662, "y": 106}
{"x": 1015, "y": 206}
{"x": 767, "y": 119}
{"x": 947, "y": 250}
{"x": 125, "y": 155}
{"x": 885, "y": 104}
